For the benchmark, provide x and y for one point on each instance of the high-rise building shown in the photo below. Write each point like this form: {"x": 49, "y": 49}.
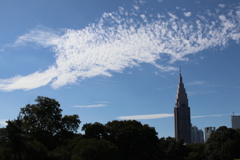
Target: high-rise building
{"x": 235, "y": 121}
{"x": 197, "y": 135}
{"x": 208, "y": 131}
{"x": 182, "y": 118}
{"x": 201, "y": 137}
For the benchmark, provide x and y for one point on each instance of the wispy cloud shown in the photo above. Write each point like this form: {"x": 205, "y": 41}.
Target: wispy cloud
{"x": 31, "y": 81}
{"x": 196, "y": 83}
{"x": 221, "y": 5}
{"x": 150, "y": 116}
{"x": 90, "y": 106}
{"x": 164, "y": 115}
{"x": 193, "y": 93}
{"x": 105, "y": 102}
{"x": 125, "y": 39}
{"x": 216, "y": 115}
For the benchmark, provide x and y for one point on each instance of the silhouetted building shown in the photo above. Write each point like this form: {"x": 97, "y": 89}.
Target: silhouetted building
{"x": 235, "y": 121}
{"x": 197, "y": 135}
{"x": 182, "y": 118}
{"x": 208, "y": 131}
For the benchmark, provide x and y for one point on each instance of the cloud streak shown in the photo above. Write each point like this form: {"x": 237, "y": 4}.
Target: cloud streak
{"x": 196, "y": 83}
{"x": 165, "y": 115}
{"x": 150, "y": 116}
{"x": 91, "y": 106}
{"x": 125, "y": 39}
{"x": 193, "y": 93}
{"x": 216, "y": 115}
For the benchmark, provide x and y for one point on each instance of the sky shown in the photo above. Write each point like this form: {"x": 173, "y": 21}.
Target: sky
{"x": 119, "y": 59}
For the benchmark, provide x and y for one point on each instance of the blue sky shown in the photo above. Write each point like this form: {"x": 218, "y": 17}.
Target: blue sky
{"x": 119, "y": 59}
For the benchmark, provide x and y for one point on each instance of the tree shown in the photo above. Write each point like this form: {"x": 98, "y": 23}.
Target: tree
{"x": 92, "y": 149}
{"x": 43, "y": 120}
{"x": 35, "y": 150}
{"x": 134, "y": 140}
{"x": 172, "y": 149}
{"x": 15, "y": 139}
{"x": 95, "y": 130}
{"x": 43, "y": 117}
{"x": 223, "y": 144}
{"x": 70, "y": 125}
{"x": 3, "y": 133}
{"x": 41, "y": 124}
{"x": 196, "y": 151}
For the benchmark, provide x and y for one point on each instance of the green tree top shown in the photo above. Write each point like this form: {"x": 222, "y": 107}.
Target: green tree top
{"x": 43, "y": 121}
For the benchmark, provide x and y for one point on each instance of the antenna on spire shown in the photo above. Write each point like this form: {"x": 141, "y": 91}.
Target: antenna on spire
{"x": 180, "y": 70}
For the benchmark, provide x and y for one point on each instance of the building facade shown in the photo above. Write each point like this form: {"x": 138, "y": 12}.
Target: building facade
{"x": 235, "y": 122}
{"x": 197, "y": 135}
{"x": 208, "y": 131}
{"x": 182, "y": 118}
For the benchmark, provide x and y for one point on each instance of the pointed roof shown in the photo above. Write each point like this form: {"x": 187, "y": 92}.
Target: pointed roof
{"x": 181, "y": 97}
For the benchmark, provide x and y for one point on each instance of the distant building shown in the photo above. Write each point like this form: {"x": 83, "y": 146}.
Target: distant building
{"x": 197, "y": 135}
{"x": 208, "y": 131}
{"x": 182, "y": 118}
{"x": 235, "y": 121}
{"x": 201, "y": 137}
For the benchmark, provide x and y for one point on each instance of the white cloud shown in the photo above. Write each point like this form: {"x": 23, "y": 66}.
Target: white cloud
{"x": 221, "y": 5}
{"x": 142, "y": 2}
{"x": 136, "y": 7}
{"x": 104, "y": 102}
{"x": 91, "y": 106}
{"x": 41, "y": 35}
{"x": 193, "y": 93}
{"x": 196, "y": 83}
{"x": 165, "y": 115}
{"x": 144, "y": 18}
{"x": 187, "y": 14}
{"x": 150, "y": 116}
{"x": 31, "y": 81}
{"x": 120, "y": 40}
{"x": 216, "y": 115}
{"x": 3, "y": 123}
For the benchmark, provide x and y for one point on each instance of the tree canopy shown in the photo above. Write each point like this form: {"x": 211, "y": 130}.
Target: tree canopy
{"x": 223, "y": 144}
{"x": 41, "y": 132}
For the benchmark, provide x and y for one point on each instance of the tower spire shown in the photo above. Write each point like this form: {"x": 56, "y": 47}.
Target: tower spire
{"x": 180, "y": 78}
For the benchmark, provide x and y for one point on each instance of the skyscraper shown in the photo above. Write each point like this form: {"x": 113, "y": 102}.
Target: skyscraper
{"x": 182, "y": 118}
{"x": 235, "y": 121}
{"x": 197, "y": 135}
{"x": 208, "y": 131}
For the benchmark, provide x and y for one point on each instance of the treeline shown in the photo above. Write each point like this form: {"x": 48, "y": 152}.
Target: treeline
{"x": 41, "y": 132}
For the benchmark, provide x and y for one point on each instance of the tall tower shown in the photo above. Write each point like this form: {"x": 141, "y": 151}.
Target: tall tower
{"x": 182, "y": 118}
{"x": 235, "y": 121}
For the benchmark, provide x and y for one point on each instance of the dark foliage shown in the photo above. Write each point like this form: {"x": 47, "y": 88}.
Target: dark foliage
{"x": 196, "y": 151}
{"x": 172, "y": 149}
{"x": 40, "y": 132}
{"x": 223, "y": 144}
